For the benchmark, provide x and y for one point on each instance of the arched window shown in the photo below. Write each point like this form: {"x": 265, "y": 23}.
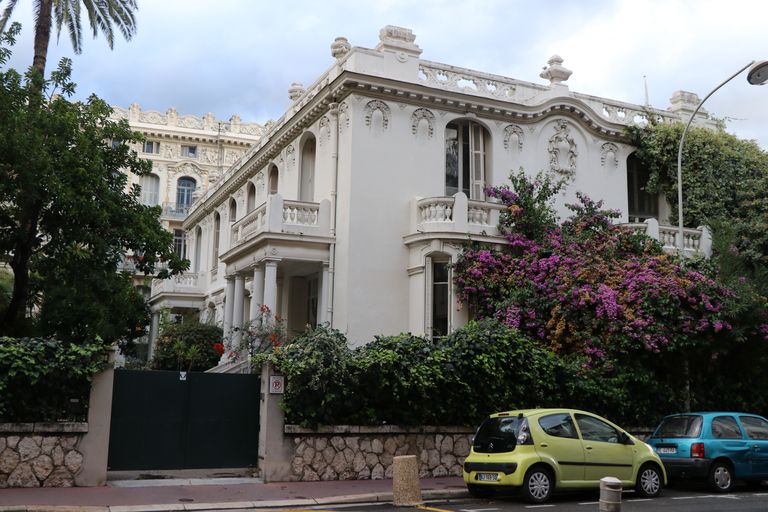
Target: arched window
{"x": 216, "y": 238}
{"x": 273, "y": 177}
{"x": 466, "y": 157}
{"x": 150, "y": 189}
{"x": 307, "y": 180}
{"x": 250, "y": 198}
{"x": 198, "y": 248}
{"x": 642, "y": 204}
{"x": 232, "y": 211}
{"x": 185, "y": 187}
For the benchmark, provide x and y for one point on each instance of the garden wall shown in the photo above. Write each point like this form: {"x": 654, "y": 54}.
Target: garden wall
{"x": 40, "y": 454}
{"x": 360, "y": 453}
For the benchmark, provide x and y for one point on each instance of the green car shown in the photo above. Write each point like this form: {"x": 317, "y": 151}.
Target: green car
{"x": 540, "y": 450}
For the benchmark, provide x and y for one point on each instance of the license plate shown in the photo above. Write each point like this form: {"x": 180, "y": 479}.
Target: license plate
{"x": 664, "y": 449}
{"x": 487, "y": 477}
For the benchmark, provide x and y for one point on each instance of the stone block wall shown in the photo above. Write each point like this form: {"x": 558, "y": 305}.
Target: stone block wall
{"x": 361, "y": 453}
{"x": 40, "y": 454}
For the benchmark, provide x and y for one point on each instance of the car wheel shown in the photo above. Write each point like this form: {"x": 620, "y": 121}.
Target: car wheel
{"x": 648, "y": 481}
{"x": 480, "y": 491}
{"x": 537, "y": 485}
{"x": 721, "y": 477}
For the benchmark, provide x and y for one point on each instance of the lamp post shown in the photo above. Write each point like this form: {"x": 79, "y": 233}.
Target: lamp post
{"x": 758, "y": 75}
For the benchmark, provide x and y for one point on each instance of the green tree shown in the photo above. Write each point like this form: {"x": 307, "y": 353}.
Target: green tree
{"x": 190, "y": 346}
{"x": 103, "y": 15}
{"x": 67, "y": 214}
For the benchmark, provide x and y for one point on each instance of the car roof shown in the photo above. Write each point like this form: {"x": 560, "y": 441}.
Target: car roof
{"x": 536, "y": 412}
{"x": 713, "y": 413}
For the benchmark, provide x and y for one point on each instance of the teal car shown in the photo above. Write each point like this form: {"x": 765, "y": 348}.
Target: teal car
{"x": 539, "y": 451}
{"x": 716, "y": 447}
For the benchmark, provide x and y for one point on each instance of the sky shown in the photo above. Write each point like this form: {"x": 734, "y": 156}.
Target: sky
{"x": 240, "y": 56}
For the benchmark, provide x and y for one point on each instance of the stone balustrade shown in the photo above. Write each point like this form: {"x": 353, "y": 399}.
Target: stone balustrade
{"x": 187, "y": 282}
{"x": 362, "y": 453}
{"x": 696, "y": 241}
{"x": 455, "y": 214}
{"x": 40, "y": 454}
{"x": 278, "y": 215}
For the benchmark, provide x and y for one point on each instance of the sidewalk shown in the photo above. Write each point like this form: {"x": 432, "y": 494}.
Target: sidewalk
{"x": 214, "y": 494}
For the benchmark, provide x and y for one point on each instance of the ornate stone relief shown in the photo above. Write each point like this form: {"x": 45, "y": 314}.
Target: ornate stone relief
{"x": 340, "y": 47}
{"x": 170, "y": 150}
{"x": 260, "y": 181}
{"x": 343, "y": 116}
{"x": 374, "y": 105}
{"x": 230, "y": 155}
{"x": 152, "y": 118}
{"x": 290, "y": 155}
{"x": 324, "y": 127}
{"x": 559, "y": 142}
{"x": 423, "y": 114}
{"x": 515, "y": 130}
{"x": 209, "y": 155}
{"x": 609, "y": 148}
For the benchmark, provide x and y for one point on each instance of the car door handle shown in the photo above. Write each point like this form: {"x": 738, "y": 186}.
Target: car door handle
{"x": 544, "y": 445}
{"x": 588, "y": 447}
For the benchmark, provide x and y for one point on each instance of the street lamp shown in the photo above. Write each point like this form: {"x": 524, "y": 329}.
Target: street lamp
{"x": 758, "y": 75}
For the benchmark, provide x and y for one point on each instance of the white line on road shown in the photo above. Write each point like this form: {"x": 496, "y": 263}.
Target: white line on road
{"x": 589, "y": 503}
{"x": 641, "y": 499}
{"x": 477, "y": 509}
{"x": 539, "y": 506}
{"x": 685, "y": 498}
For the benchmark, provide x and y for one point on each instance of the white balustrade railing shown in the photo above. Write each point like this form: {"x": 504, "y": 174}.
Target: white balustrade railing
{"x": 456, "y": 214}
{"x": 436, "y": 209}
{"x": 695, "y": 240}
{"x": 187, "y": 282}
{"x": 280, "y": 216}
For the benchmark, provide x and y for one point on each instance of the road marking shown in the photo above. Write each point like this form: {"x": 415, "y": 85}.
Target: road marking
{"x": 641, "y": 499}
{"x": 432, "y": 509}
{"x": 477, "y": 509}
{"x": 539, "y": 506}
{"x": 685, "y": 498}
{"x": 589, "y": 503}
{"x": 760, "y": 494}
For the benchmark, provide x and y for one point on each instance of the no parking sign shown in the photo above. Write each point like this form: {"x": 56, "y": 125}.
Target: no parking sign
{"x": 276, "y": 384}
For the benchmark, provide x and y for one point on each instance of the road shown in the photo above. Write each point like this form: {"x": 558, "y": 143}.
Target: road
{"x": 672, "y": 500}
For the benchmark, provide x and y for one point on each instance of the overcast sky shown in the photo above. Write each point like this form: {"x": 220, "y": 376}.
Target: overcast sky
{"x": 239, "y": 56}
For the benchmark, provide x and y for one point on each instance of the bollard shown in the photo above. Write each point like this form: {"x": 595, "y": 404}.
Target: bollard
{"x": 406, "y": 489}
{"x": 610, "y": 494}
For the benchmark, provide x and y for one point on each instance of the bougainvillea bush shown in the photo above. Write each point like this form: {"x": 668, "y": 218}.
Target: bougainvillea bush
{"x": 605, "y": 299}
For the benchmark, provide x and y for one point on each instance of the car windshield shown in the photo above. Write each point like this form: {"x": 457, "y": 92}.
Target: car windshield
{"x": 496, "y": 435}
{"x": 683, "y": 425}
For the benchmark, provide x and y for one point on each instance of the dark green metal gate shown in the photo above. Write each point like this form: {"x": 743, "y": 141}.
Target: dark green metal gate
{"x": 175, "y": 420}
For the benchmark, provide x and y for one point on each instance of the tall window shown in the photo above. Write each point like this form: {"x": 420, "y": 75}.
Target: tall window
{"x": 250, "y": 198}
{"x": 642, "y": 204}
{"x": 150, "y": 189}
{"x": 232, "y": 211}
{"x": 307, "y": 180}
{"x": 273, "y": 177}
{"x": 185, "y": 187}
{"x": 440, "y": 298}
{"x": 180, "y": 242}
{"x": 465, "y": 158}
{"x": 198, "y": 248}
{"x": 216, "y": 238}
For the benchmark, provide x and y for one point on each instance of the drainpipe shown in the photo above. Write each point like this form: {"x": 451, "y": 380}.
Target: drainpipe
{"x": 334, "y": 111}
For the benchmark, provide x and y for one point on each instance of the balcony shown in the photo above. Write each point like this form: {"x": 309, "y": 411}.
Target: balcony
{"x": 278, "y": 215}
{"x": 454, "y": 215}
{"x": 176, "y": 210}
{"x": 180, "y": 284}
{"x": 696, "y": 242}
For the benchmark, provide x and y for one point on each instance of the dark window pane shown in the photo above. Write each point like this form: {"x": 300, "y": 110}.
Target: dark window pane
{"x": 684, "y": 425}
{"x": 725, "y": 427}
{"x": 558, "y": 425}
{"x": 451, "y": 159}
{"x": 757, "y": 428}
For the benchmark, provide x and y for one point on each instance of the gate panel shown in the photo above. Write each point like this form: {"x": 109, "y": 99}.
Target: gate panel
{"x": 204, "y": 421}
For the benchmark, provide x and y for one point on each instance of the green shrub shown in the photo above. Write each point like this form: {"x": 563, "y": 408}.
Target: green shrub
{"x": 46, "y": 379}
{"x": 190, "y": 346}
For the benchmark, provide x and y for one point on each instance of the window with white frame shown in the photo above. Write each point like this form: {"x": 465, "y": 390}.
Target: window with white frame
{"x": 438, "y": 273}
{"x": 180, "y": 243}
{"x": 188, "y": 151}
{"x": 185, "y": 188}
{"x": 216, "y": 239}
{"x": 642, "y": 204}
{"x": 466, "y": 144}
{"x": 151, "y": 146}
{"x": 150, "y": 189}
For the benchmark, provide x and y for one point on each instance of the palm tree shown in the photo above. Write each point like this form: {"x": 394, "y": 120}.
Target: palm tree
{"x": 103, "y": 15}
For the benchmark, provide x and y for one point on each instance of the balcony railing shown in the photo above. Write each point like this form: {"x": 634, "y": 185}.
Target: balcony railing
{"x": 176, "y": 210}
{"x": 280, "y": 216}
{"x": 455, "y": 214}
{"x": 186, "y": 283}
{"x": 695, "y": 241}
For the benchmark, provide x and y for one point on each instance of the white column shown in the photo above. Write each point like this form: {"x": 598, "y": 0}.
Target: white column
{"x": 237, "y": 311}
{"x": 270, "y": 286}
{"x": 323, "y": 292}
{"x": 154, "y": 326}
{"x": 257, "y": 292}
{"x": 229, "y": 302}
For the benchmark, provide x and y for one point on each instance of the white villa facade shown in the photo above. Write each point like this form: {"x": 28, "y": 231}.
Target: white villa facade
{"x": 350, "y": 208}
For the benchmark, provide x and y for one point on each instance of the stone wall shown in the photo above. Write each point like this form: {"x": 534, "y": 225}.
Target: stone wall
{"x": 362, "y": 453}
{"x": 40, "y": 454}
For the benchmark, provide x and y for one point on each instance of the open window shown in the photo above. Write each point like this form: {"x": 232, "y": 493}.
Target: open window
{"x": 466, "y": 158}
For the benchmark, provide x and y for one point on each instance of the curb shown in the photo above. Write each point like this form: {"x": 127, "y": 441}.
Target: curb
{"x": 241, "y": 505}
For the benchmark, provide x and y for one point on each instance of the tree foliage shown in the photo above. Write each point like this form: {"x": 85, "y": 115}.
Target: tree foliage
{"x": 67, "y": 213}
{"x": 189, "y": 346}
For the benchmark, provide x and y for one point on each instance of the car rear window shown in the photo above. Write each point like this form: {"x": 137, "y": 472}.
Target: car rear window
{"x": 683, "y": 425}
{"x": 496, "y": 435}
